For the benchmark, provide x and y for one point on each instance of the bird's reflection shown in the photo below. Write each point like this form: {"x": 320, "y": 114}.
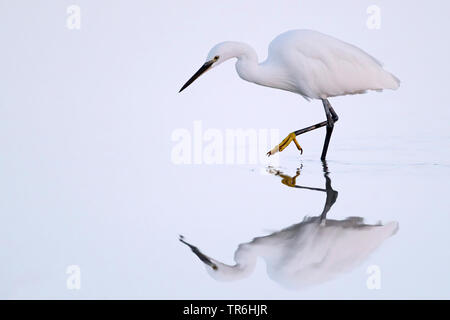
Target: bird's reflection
{"x": 307, "y": 253}
{"x": 291, "y": 182}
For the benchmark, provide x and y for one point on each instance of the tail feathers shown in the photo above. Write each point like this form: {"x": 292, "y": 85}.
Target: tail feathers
{"x": 391, "y": 81}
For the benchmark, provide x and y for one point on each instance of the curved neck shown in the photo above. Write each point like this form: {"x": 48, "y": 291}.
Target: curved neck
{"x": 245, "y": 258}
{"x": 249, "y": 69}
{"x": 247, "y": 64}
{"x": 242, "y": 51}
{"x": 226, "y": 272}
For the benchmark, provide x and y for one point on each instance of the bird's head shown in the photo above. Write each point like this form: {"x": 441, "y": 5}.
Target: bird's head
{"x": 221, "y": 271}
{"x": 218, "y": 54}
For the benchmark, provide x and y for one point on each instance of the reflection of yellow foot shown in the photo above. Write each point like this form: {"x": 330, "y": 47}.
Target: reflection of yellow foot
{"x": 291, "y": 137}
{"x": 285, "y": 179}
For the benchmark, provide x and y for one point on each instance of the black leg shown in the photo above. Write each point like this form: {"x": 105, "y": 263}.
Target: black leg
{"x": 334, "y": 117}
{"x": 326, "y": 143}
{"x": 331, "y": 118}
{"x": 331, "y": 194}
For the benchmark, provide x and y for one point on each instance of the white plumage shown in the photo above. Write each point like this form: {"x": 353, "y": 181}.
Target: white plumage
{"x": 323, "y": 66}
{"x": 309, "y": 63}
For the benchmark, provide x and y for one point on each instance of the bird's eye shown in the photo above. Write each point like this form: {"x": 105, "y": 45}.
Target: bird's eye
{"x": 216, "y": 58}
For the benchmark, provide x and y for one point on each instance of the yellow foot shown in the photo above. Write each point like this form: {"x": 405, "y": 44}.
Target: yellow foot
{"x": 291, "y": 137}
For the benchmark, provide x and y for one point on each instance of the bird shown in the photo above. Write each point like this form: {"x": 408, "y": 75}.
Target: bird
{"x": 304, "y": 254}
{"x": 309, "y": 63}
{"x": 308, "y": 253}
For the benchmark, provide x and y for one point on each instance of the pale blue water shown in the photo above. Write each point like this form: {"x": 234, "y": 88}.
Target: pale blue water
{"x": 121, "y": 226}
{"x": 379, "y": 184}
{"x": 87, "y": 178}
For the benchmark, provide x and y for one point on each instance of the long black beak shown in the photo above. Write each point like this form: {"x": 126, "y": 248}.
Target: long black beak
{"x": 204, "y": 258}
{"x": 200, "y": 71}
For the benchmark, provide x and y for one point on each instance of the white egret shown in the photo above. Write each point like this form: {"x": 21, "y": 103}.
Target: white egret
{"x": 309, "y": 63}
